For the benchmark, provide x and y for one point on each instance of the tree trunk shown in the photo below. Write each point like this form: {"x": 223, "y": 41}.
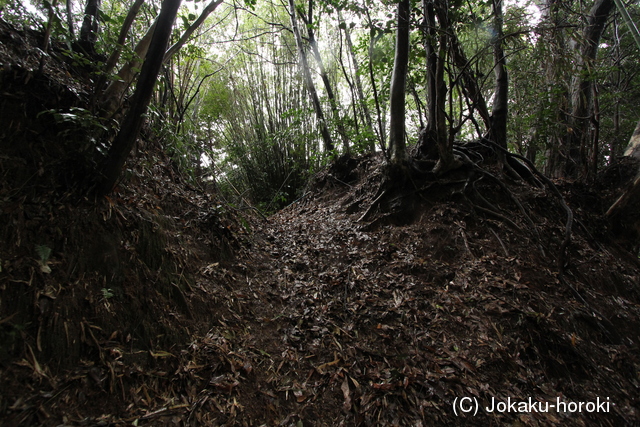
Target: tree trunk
{"x": 439, "y": 41}
{"x": 629, "y": 21}
{"x": 72, "y": 32}
{"x": 554, "y": 41}
{"x": 122, "y": 36}
{"x": 115, "y": 55}
{"x": 192, "y": 28}
{"x": 113, "y": 94}
{"x": 50, "y": 17}
{"x": 471, "y": 85}
{"x": 132, "y": 123}
{"x": 500, "y": 110}
{"x": 90, "y": 27}
{"x": 633, "y": 192}
{"x": 357, "y": 114}
{"x": 358, "y": 80}
{"x": 445, "y": 146}
{"x": 304, "y": 66}
{"x": 429, "y": 137}
{"x": 444, "y": 141}
{"x": 397, "y": 144}
{"x": 381, "y": 120}
{"x": 308, "y": 20}
{"x": 581, "y": 98}
{"x": 633, "y": 149}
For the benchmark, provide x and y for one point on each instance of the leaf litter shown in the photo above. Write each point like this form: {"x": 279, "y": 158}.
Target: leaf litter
{"x": 320, "y": 320}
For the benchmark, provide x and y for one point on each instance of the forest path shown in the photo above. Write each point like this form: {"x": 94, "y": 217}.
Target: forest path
{"x": 345, "y": 322}
{"x": 339, "y": 322}
{"x": 337, "y": 318}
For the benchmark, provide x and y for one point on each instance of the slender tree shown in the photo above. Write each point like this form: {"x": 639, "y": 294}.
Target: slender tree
{"x": 208, "y": 10}
{"x": 132, "y": 123}
{"x": 114, "y": 93}
{"x": 430, "y": 39}
{"x": 306, "y": 73}
{"x": 311, "y": 37}
{"x": 501, "y": 98}
{"x": 373, "y": 39}
{"x": 122, "y": 36}
{"x": 72, "y": 31}
{"x": 51, "y": 15}
{"x": 356, "y": 76}
{"x": 397, "y": 145}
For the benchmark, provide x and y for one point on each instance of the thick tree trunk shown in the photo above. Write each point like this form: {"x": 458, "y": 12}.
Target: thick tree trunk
{"x": 308, "y": 80}
{"x": 578, "y": 136}
{"x": 132, "y": 123}
{"x": 397, "y": 144}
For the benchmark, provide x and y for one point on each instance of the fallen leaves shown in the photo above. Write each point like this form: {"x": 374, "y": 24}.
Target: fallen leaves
{"x": 326, "y": 321}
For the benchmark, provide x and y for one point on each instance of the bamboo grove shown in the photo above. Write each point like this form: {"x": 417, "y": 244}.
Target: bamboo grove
{"x": 257, "y": 95}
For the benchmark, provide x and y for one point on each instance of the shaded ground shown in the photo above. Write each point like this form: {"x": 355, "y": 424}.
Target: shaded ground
{"x": 163, "y": 305}
{"x": 327, "y": 321}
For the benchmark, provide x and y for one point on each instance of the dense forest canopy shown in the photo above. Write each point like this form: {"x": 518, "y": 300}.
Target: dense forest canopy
{"x": 257, "y": 95}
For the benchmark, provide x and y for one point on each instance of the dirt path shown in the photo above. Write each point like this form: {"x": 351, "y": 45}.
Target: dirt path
{"x": 320, "y": 320}
{"x": 389, "y": 326}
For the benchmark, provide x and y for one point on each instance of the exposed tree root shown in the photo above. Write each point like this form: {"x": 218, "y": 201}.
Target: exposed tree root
{"x": 373, "y": 205}
{"x": 569, "y": 222}
{"x": 601, "y": 320}
{"x": 504, "y": 248}
{"x": 504, "y": 187}
{"x": 631, "y": 193}
{"x": 472, "y": 155}
{"x": 499, "y": 216}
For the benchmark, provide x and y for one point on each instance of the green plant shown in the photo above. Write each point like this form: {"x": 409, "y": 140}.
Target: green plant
{"x": 107, "y": 293}
{"x": 76, "y": 117}
{"x": 80, "y": 126}
{"x": 43, "y": 252}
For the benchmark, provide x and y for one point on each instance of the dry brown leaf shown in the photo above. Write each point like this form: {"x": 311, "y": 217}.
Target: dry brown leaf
{"x": 346, "y": 393}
